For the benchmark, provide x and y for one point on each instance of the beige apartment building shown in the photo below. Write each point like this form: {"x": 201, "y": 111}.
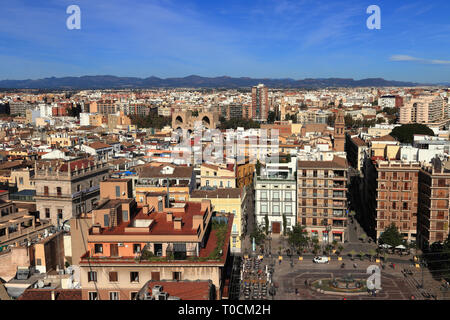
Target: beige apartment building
{"x": 322, "y": 198}
{"x": 426, "y": 109}
{"x": 157, "y": 241}
{"x": 65, "y": 189}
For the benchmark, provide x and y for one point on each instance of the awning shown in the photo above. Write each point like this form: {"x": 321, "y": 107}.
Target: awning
{"x": 337, "y": 232}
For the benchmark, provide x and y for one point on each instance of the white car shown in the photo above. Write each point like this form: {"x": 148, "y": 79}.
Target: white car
{"x": 322, "y": 259}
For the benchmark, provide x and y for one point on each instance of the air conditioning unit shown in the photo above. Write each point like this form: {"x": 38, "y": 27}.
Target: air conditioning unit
{"x": 163, "y": 296}
{"x": 120, "y": 244}
{"x": 156, "y": 290}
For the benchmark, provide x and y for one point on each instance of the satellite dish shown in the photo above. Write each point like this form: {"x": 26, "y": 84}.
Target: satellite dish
{"x": 40, "y": 284}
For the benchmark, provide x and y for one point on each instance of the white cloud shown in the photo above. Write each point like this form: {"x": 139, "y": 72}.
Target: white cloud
{"x": 400, "y": 57}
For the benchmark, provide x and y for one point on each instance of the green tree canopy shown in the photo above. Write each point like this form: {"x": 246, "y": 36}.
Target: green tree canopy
{"x": 234, "y": 123}
{"x": 258, "y": 234}
{"x": 150, "y": 121}
{"x": 406, "y": 132}
{"x": 391, "y": 236}
{"x": 298, "y": 237}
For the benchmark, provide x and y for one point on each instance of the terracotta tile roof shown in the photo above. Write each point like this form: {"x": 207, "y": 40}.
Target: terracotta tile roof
{"x": 336, "y": 163}
{"x": 185, "y": 290}
{"x": 385, "y": 138}
{"x": 99, "y": 145}
{"x": 46, "y": 294}
{"x": 358, "y": 142}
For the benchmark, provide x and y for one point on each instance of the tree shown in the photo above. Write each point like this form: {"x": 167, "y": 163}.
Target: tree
{"x": 271, "y": 117}
{"x": 266, "y": 224}
{"x": 258, "y": 167}
{"x": 406, "y": 132}
{"x": 235, "y": 123}
{"x": 284, "y": 224}
{"x": 258, "y": 234}
{"x": 298, "y": 237}
{"x": 391, "y": 236}
{"x": 352, "y": 254}
{"x": 150, "y": 121}
{"x": 195, "y": 113}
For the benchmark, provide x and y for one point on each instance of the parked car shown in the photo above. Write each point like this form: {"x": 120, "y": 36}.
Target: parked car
{"x": 321, "y": 259}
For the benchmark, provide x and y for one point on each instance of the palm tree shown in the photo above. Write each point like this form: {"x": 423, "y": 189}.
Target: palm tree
{"x": 372, "y": 253}
{"x": 361, "y": 255}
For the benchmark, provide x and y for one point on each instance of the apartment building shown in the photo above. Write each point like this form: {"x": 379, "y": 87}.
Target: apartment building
{"x": 17, "y": 225}
{"x": 434, "y": 192}
{"x": 426, "y": 109}
{"x": 322, "y": 198}
{"x": 178, "y": 181}
{"x": 260, "y": 103}
{"x": 390, "y": 195}
{"x": 235, "y": 201}
{"x": 65, "y": 189}
{"x": 156, "y": 242}
{"x": 275, "y": 195}
{"x": 217, "y": 176}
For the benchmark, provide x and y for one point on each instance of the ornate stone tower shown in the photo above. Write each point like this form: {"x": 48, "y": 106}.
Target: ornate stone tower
{"x": 339, "y": 132}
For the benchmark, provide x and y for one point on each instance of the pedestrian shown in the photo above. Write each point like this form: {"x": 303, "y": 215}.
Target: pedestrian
{"x": 306, "y": 283}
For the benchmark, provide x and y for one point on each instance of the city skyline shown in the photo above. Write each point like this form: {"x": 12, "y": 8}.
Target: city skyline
{"x": 261, "y": 39}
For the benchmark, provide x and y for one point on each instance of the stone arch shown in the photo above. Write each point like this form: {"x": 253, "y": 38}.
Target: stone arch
{"x": 206, "y": 121}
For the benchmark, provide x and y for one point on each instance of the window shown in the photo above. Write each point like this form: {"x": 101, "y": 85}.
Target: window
{"x": 125, "y": 215}
{"x": 92, "y": 276}
{"x": 47, "y": 213}
{"x": 106, "y": 220}
{"x": 78, "y": 188}
{"x": 288, "y": 196}
{"x": 229, "y": 184}
{"x": 117, "y": 191}
{"x": 93, "y": 296}
{"x": 98, "y": 248}
{"x": 60, "y": 214}
{"x": 20, "y": 180}
{"x": 221, "y": 184}
{"x": 276, "y": 195}
{"x": 176, "y": 275}
{"x": 38, "y": 262}
{"x": 134, "y": 276}
{"x": 288, "y": 208}
{"x": 58, "y": 191}
{"x": 113, "y": 295}
{"x": 133, "y": 295}
{"x": 263, "y": 208}
{"x": 113, "y": 276}
{"x": 46, "y": 190}
{"x": 276, "y": 210}
{"x": 136, "y": 248}
{"x": 264, "y": 195}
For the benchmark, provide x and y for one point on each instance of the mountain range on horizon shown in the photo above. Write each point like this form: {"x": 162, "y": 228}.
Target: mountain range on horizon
{"x": 194, "y": 81}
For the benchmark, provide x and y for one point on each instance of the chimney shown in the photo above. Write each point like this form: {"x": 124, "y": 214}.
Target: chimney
{"x": 169, "y": 216}
{"x": 177, "y": 223}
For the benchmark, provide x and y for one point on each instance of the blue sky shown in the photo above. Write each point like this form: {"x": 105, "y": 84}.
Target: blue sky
{"x": 258, "y": 38}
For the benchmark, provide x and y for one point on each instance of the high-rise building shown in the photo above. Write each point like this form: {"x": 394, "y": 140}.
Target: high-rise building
{"x": 424, "y": 109}
{"x": 260, "y": 103}
{"x": 390, "y": 196}
{"x": 322, "y": 198}
{"x": 433, "y": 215}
